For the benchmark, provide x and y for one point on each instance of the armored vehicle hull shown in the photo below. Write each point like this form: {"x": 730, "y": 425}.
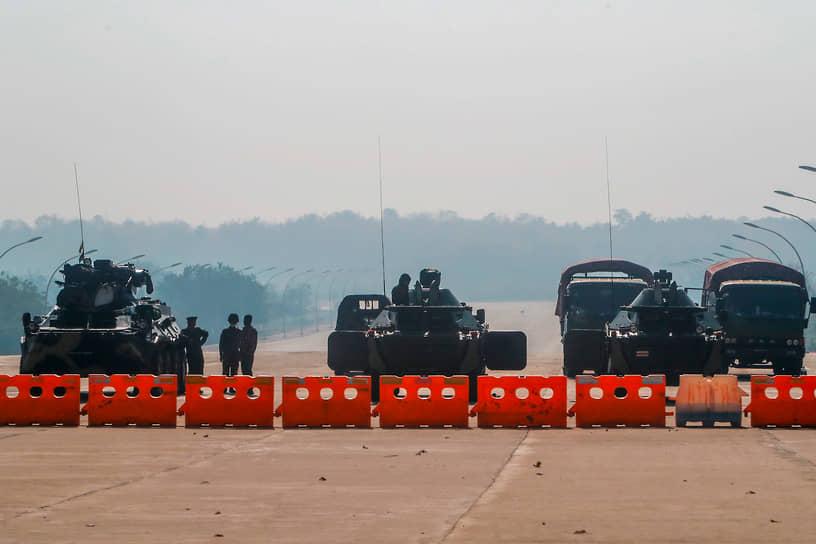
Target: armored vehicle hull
{"x": 660, "y": 333}
{"x": 98, "y": 327}
{"x": 434, "y": 335}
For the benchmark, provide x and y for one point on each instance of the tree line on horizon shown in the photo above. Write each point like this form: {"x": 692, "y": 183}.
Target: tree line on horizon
{"x": 487, "y": 259}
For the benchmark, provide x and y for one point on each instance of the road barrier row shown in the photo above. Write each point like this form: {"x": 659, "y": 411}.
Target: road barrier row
{"x": 404, "y": 401}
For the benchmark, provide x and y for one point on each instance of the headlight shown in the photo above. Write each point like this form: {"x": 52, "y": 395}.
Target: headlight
{"x": 633, "y": 329}
{"x": 796, "y": 342}
{"x": 789, "y": 342}
{"x": 700, "y": 329}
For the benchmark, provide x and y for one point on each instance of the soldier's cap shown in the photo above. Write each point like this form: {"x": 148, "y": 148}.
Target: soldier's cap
{"x": 192, "y": 318}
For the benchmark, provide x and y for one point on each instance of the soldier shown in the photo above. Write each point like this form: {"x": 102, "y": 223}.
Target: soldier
{"x": 229, "y": 347}
{"x": 399, "y": 294}
{"x": 249, "y": 341}
{"x": 193, "y": 338}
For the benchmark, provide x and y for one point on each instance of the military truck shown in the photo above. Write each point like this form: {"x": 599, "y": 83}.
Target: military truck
{"x": 587, "y": 303}
{"x": 434, "y": 334}
{"x": 99, "y": 326}
{"x": 762, "y": 307}
{"x": 659, "y": 333}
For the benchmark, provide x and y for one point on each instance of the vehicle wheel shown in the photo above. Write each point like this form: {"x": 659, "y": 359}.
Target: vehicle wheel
{"x": 473, "y": 387}
{"x": 375, "y": 388}
{"x": 610, "y": 367}
{"x": 181, "y": 372}
{"x": 569, "y": 366}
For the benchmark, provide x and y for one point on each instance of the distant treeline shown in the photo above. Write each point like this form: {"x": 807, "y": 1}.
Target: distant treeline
{"x": 293, "y": 273}
{"x": 492, "y": 258}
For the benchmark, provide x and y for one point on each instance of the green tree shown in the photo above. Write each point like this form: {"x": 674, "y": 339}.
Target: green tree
{"x": 16, "y": 297}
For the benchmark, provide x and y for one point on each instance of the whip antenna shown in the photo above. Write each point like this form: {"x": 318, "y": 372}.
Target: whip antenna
{"x": 81, "y": 226}
{"x": 382, "y": 230}
{"x": 608, "y": 196}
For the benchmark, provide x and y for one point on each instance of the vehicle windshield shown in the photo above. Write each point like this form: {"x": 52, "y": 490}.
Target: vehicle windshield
{"x": 764, "y": 301}
{"x": 602, "y": 299}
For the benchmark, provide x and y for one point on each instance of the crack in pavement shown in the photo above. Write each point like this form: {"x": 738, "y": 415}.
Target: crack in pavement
{"x": 488, "y": 487}
{"x": 782, "y": 450}
{"x": 191, "y": 462}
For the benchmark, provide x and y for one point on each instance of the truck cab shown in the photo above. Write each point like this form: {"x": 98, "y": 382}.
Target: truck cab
{"x": 762, "y": 307}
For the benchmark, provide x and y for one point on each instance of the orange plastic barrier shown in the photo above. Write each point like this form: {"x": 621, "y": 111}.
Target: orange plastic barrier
{"x": 708, "y": 400}
{"x": 609, "y": 401}
{"x": 337, "y": 401}
{"x": 415, "y": 401}
{"x": 120, "y": 399}
{"x": 782, "y": 401}
{"x": 236, "y": 401}
{"x": 521, "y": 401}
{"x": 39, "y": 400}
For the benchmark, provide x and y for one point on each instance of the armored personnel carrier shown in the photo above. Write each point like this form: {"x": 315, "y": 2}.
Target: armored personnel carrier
{"x": 660, "y": 333}
{"x": 590, "y": 294}
{"x": 99, "y": 327}
{"x": 433, "y": 334}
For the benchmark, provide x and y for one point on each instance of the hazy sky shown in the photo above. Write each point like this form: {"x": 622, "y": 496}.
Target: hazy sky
{"x": 216, "y": 111}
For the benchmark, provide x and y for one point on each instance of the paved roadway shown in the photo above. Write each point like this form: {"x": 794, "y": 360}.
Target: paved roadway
{"x": 424, "y": 485}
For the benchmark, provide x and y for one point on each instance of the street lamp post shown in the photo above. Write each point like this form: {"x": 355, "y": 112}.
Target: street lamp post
{"x": 763, "y": 244}
{"x": 169, "y": 266}
{"x": 21, "y": 244}
{"x": 807, "y": 167}
{"x": 283, "y": 295}
{"x": 755, "y": 226}
{"x": 317, "y": 299}
{"x": 791, "y": 195}
{"x": 777, "y": 210}
{"x": 131, "y": 259}
{"x": 738, "y": 250}
{"x": 54, "y": 273}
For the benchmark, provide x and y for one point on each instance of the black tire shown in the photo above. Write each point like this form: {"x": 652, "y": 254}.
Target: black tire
{"x": 569, "y": 366}
{"x": 473, "y": 387}
{"x": 181, "y": 371}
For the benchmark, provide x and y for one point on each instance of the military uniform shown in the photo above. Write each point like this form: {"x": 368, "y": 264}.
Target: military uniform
{"x": 249, "y": 341}
{"x": 193, "y": 338}
{"x": 229, "y": 346}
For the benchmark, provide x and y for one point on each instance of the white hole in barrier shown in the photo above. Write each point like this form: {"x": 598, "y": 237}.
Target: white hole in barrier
{"x": 132, "y": 391}
{"x": 546, "y": 393}
{"x": 497, "y": 393}
{"x": 205, "y": 392}
{"x": 424, "y": 393}
{"x": 59, "y": 392}
{"x": 350, "y": 393}
{"x": 621, "y": 392}
{"x": 448, "y": 393}
{"x": 12, "y": 392}
{"x": 156, "y": 391}
{"x": 596, "y": 393}
{"x": 253, "y": 392}
{"x": 229, "y": 392}
{"x": 400, "y": 393}
{"x": 796, "y": 393}
{"x": 35, "y": 392}
{"x": 645, "y": 392}
{"x": 108, "y": 391}
{"x": 302, "y": 393}
{"x": 771, "y": 392}
{"x": 326, "y": 393}
{"x": 522, "y": 392}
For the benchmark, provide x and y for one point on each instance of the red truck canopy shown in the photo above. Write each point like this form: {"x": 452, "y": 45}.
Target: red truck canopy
{"x": 599, "y": 265}
{"x": 748, "y": 268}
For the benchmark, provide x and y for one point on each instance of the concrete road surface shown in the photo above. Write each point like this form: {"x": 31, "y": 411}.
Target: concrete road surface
{"x": 424, "y": 485}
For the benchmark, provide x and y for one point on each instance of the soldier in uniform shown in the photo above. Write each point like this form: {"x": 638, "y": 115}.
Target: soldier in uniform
{"x": 193, "y": 338}
{"x": 229, "y": 347}
{"x": 249, "y": 341}
{"x": 399, "y": 294}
